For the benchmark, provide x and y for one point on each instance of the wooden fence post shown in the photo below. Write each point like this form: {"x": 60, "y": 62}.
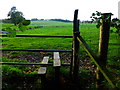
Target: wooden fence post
{"x": 75, "y": 49}
{"x": 103, "y": 45}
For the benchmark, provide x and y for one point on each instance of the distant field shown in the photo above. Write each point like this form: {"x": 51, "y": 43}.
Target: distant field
{"x": 89, "y": 32}
{"x": 50, "y": 23}
{"x": 50, "y": 28}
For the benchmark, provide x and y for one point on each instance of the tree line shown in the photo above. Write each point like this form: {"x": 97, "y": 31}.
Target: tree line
{"x": 60, "y": 20}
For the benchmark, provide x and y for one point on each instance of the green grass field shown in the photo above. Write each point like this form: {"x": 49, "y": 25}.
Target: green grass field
{"x": 88, "y": 31}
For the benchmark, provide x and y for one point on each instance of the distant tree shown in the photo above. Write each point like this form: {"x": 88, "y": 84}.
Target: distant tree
{"x": 34, "y": 19}
{"x": 86, "y": 21}
{"x": 41, "y": 19}
{"x": 60, "y": 20}
{"x": 6, "y": 20}
{"x": 16, "y": 17}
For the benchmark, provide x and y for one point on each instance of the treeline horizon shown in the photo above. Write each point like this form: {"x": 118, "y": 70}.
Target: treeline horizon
{"x": 61, "y": 20}
{"x": 35, "y": 19}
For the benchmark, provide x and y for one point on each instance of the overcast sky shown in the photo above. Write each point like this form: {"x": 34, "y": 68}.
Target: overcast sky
{"x": 62, "y": 9}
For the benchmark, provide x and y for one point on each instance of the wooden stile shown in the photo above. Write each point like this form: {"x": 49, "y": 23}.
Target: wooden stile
{"x": 57, "y": 65}
{"x": 75, "y": 49}
{"x": 56, "y": 59}
{"x": 103, "y": 46}
{"x": 43, "y": 70}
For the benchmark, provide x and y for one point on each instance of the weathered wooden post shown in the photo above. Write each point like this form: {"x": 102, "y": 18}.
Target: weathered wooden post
{"x": 103, "y": 45}
{"x": 75, "y": 50}
{"x": 57, "y": 64}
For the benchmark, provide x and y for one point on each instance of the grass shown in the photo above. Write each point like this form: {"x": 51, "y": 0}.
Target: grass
{"x": 42, "y": 43}
{"x": 88, "y": 31}
{"x": 49, "y": 23}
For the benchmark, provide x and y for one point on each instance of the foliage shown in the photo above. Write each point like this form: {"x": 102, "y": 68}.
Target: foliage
{"x": 115, "y": 22}
{"x": 21, "y": 26}
{"x": 61, "y": 20}
{"x": 10, "y": 71}
{"x": 6, "y": 20}
{"x": 35, "y": 19}
{"x": 16, "y": 17}
{"x": 13, "y": 77}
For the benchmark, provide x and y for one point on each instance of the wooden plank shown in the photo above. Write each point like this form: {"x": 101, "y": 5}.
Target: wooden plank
{"x": 57, "y": 36}
{"x": 43, "y": 70}
{"x": 103, "y": 46}
{"x": 12, "y": 63}
{"x": 75, "y": 49}
{"x": 36, "y": 50}
{"x": 57, "y": 65}
{"x": 94, "y": 58}
{"x": 45, "y": 60}
{"x": 56, "y": 59}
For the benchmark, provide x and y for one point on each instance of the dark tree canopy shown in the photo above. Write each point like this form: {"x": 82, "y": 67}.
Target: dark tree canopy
{"x": 16, "y": 17}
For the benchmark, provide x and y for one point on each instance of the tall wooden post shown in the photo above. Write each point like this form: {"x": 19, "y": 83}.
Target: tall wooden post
{"x": 103, "y": 45}
{"x": 75, "y": 49}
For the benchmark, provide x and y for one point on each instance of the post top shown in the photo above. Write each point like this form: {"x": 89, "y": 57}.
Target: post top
{"x": 106, "y": 14}
{"x": 76, "y": 14}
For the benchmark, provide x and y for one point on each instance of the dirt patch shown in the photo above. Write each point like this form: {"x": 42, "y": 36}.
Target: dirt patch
{"x": 36, "y": 57}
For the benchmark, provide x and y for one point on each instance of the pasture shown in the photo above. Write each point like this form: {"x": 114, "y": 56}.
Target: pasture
{"x": 88, "y": 31}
